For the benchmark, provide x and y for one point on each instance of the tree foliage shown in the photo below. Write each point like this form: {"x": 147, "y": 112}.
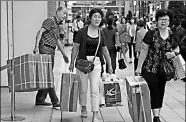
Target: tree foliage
{"x": 179, "y": 11}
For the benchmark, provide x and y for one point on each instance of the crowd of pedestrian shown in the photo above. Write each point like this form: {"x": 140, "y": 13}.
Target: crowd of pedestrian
{"x": 146, "y": 42}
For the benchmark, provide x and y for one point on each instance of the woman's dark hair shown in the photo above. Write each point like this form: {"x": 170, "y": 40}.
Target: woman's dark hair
{"x": 78, "y": 16}
{"x": 96, "y": 10}
{"x": 122, "y": 20}
{"x": 131, "y": 19}
{"x": 141, "y": 23}
{"x": 164, "y": 12}
{"x": 110, "y": 22}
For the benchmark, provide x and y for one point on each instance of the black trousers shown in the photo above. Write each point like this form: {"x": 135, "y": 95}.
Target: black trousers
{"x": 156, "y": 86}
{"x": 42, "y": 94}
{"x": 74, "y": 35}
{"x": 131, "y": 46}
{"x": 135, "y": 61}
{"x": 113, "y": 54}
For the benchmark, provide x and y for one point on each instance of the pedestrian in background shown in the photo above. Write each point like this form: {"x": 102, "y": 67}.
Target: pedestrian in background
{"x": 76, "y": 26}
{"x": 46, "y": 40}
{"x": 110, "y": 32}
{"x": 123, "y": 28}
{"x": 84, "y": 47}
{"x": 132, "y": 32}
{"x": 154, "y": 44}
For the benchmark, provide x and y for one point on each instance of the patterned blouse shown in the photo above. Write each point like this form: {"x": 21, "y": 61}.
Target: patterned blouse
{"x": 157, "y": 48}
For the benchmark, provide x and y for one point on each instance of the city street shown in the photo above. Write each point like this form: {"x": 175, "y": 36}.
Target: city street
{"x": 21, "y": 21}
{"x": 173, "y": 109}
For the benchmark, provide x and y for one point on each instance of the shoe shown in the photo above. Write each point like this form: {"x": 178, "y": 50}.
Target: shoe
{"x": 44, "y": 103}
{"x": 95, "y": 120}
{"x": 56, "y": 105}
{"x": 156, "y": 119}
{"x": 130, "y": 61}
{"x": 84, "y": 114}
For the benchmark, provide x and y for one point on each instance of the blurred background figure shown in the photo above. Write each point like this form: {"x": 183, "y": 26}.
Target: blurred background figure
{"x": 77, "y": 25}
{"x": 110, "y": 42}
{"x": 132, "y": 32}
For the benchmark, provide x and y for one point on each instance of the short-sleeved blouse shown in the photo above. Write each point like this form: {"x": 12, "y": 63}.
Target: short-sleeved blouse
{"x": 82, "y": 38}
{"x": 157, "y": 48}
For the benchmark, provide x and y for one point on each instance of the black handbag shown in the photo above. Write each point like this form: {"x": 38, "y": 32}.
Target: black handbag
{"x": 84, "y": 65}
{"x": 121, "y": 61}
{"x": 122, "y": 64}
{"x": 166, "y": 68}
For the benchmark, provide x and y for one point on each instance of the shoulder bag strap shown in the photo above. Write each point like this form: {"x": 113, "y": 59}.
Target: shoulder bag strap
{"x": 98, "y": 44}
{"x": 182, "y": 39}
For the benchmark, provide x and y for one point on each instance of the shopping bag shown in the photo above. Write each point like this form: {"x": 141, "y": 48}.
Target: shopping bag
{"x": 138, "y": 96}
{"x": 110, "y": 92}
{"x": 32, "y": 72}
{"x": 179, "y": 64}
{"x": 69, "y": 92}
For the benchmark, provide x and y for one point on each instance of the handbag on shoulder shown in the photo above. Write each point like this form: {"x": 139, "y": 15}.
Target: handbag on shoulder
{"x": 124, "y": 37}
{"x": 84, "y": 65}
{"x": 166, "y": 69}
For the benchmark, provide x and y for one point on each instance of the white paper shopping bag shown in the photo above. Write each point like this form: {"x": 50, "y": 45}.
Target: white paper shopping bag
{"x": 179, "y": 64}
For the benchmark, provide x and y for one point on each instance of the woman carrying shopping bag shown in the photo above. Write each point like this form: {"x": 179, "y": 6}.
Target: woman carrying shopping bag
{"x": 89, "y": 46}
{"x": 157, "y": 47}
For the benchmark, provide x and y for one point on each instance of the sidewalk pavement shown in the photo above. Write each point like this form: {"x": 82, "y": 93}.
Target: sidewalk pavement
{"x": 25, "y": 101}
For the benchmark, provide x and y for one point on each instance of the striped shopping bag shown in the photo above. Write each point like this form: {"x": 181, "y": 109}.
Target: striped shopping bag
{"x": 31, "y": 72}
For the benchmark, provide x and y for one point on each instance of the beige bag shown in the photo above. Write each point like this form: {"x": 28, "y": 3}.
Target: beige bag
{"x": 179, "y": 65}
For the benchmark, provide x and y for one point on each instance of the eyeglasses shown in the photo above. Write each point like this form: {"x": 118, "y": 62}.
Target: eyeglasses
{"x": 165, "y": 20}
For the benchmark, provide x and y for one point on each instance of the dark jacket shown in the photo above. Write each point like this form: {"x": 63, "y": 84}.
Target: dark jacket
{"x": 179, "y": 35}
{"x": 81, "y": 38}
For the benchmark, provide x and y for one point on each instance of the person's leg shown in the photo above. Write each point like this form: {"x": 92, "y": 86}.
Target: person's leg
{"x": 51, "y": 91}
{"x": 74, "y": 35}
{"x": 53, "y": 97}
{"x": 113, "y": 55}
{"x": 42, "y": 94}
{"x": 162, "y": 83}
{"x": 94, "y": 78}
{"x": 130, "y": 51}
{"x": 123, "y": 50}
{"x": 153, "y": 84}
{"x": 83, "y": 87}
{"x": 110, "y": 52}
{"x": 133, "y": 49}
{"x": 135, "y": 62}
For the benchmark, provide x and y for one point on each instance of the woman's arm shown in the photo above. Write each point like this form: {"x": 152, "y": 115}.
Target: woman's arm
{"x": 143, "y": 54}
{"x": 174, "y": 53}
{"x": 74, "y": 53}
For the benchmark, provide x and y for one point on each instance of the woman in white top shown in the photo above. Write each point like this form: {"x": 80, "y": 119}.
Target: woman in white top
{"x": 132, "y": 32}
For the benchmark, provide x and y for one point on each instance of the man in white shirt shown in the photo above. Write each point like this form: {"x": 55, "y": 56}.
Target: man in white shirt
{"x": 77, "y": 25}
